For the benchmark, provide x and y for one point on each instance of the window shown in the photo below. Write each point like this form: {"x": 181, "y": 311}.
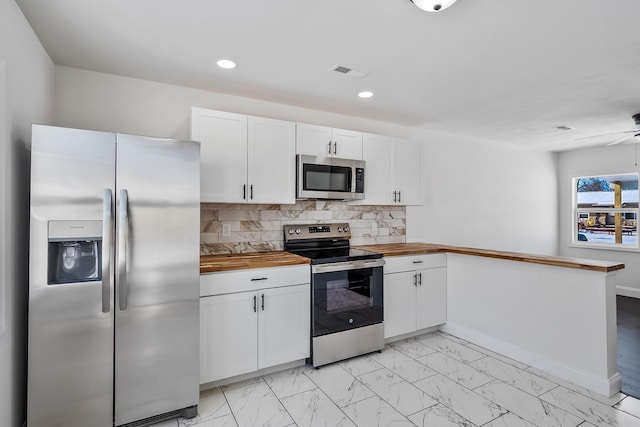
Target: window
{"x": 606, "y": 211}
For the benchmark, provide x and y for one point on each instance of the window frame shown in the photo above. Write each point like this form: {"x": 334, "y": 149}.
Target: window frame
{"x": 576, "y": 211}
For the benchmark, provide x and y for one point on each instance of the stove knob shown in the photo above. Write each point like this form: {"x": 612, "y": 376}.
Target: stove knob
{"x": 291, "y": 231}
{"x": 298, "y": 231}
{"x": 339, "y": 229}
{"x": 346, "y": 229}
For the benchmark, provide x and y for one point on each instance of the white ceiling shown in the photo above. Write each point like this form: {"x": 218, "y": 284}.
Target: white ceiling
{"x": 503, "y": 70}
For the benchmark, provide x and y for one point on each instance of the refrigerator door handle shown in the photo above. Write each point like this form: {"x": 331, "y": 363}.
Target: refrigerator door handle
{"x": 107, "y": 223}
{"x": 122, "y": 250}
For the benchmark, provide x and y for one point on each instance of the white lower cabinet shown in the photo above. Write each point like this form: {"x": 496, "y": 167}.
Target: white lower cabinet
{"x": 228, "y": 336}
{"x": 283, "y": 325}
{"x": 415, "y": 293}
{"x": 243, "y": 332}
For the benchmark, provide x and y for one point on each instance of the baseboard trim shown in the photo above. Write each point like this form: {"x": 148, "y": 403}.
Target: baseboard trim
{"x": 410, "y": 334}
{"x": 628, "y": 291}
{"x": 601, "y": 385}
{"x": 254, "y": 374}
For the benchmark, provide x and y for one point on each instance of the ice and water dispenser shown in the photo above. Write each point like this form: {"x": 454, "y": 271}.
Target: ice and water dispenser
{"x": 74, "y": 252}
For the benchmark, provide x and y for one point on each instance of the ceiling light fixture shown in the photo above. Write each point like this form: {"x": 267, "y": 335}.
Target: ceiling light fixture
{"x": 433, "y": 5}
{"x": 365, "y": 94}
{"x": 226, "y": 63}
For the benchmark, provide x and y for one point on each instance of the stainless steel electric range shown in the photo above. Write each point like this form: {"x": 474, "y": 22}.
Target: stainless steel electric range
{"x": 346, "y": 291}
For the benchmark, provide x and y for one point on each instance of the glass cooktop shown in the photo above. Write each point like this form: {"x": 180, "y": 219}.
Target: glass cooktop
{"x": 328, "y": 255}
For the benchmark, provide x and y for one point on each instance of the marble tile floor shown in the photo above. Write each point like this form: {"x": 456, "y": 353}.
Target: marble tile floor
{"x": 434, "y": 380}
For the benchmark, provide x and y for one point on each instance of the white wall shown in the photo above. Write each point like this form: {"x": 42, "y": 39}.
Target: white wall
{"x": 593, "y": 162}
{"x": 486, "y": 195}
{"x": 98, "y": 101}
{"x": 27, "y": 99}
{"x": 479, "y": 194}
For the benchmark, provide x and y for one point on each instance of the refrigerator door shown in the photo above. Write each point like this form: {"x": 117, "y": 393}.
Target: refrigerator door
{"x": 157, "y": 277}
{"x": 70, "y": 359}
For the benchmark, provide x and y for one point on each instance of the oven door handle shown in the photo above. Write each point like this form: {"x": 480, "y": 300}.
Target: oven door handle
{"x": 347, "y": 265}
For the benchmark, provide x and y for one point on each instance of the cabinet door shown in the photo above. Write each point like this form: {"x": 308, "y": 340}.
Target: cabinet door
{"x": 284, "y": 325}
{"x": 409, "y": 164}
{"x": 380, "y": 175}
{"x": 228, "y": 336}
{"x": 272, "y": 161}
{"x": 432, "y": 297}
{"x": 347, "y": 144}
{"x": 223, "y": 154}
{"x": 399, "y": 303}
{"x": 313, "y": 140}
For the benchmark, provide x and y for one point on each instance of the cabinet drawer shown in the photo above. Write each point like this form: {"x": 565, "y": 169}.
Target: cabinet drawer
{"x": 226, "y": 282}
{"x": 396, "y": 264}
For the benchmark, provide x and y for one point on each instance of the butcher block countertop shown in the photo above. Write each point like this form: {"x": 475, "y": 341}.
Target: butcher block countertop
{"x": 228, "y": 262}
{"x": 398, "y": 249}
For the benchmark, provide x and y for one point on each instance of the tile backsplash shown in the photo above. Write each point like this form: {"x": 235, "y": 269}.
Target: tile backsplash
{"x": 258, "y": 228}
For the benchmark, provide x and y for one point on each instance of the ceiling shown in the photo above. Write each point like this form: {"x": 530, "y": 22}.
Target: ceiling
{"x": 510, "y": 71}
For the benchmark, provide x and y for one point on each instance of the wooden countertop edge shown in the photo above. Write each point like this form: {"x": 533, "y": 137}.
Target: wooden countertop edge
{"x": 427, "y": 248}
{"x": 230, "y": 262}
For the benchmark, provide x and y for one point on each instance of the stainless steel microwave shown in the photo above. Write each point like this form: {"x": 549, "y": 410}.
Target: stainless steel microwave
{"x": 329, "y": 178}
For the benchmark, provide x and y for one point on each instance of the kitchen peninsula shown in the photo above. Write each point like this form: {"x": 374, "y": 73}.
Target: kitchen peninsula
{"x": 556, "y": 314}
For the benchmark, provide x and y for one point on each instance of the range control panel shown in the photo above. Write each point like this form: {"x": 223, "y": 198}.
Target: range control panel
{"x": 316, "y": 231}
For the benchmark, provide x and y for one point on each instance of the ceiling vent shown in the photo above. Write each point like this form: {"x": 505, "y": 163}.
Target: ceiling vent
{"x": 349, "y": 71}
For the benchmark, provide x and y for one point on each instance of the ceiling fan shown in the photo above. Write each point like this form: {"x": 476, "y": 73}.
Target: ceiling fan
{"x": 628, "y": 134}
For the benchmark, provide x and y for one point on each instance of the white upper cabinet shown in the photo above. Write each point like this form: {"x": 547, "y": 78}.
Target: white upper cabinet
{"x": 323, "y": 141}
{"x": 394, "y": 171}
{"x": 380, "y": 172}
{"x": 272, "y": 161}
{"x": 409, "y": 173}
{"x": 244, "y": 159}
{"x": 223, "y": 154}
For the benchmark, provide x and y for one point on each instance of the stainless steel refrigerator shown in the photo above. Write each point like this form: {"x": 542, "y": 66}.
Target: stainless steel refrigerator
{"x": 114, "y": 278}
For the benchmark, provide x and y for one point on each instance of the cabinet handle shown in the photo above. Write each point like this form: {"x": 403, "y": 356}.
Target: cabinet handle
{"x": 335, "y": 148}
{"x": 394, "y": 196}
{"x": 418, "y": 262}
{"x": 244, "y": 192}
{"x": 420, "y": 279}
{"x": 255, "y": 303}
{"x": 255, "y": 279}
{"x": 251, "y": 191}
{"x": 398, "y": 197}
{"x": 262, "y": 302}
{"x": 329, "y": 147}
{"x": 415, "y": 280}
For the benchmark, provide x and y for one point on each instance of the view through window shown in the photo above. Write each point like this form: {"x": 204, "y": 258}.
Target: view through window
{"x": 606, "y": 211}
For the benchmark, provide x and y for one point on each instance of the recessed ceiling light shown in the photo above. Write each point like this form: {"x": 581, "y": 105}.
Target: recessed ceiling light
{"x": 365, "y": 94}
{"x": 226, "y": 63}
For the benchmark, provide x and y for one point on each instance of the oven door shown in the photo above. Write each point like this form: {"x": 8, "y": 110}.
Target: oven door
{"x": 346, "y": 295}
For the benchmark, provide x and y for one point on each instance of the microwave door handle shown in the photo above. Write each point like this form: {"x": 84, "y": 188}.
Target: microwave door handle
{"x": 122, "y": 250}
{"x": 107, "y": 223}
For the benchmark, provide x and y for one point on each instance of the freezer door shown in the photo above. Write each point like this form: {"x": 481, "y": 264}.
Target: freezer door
{"x": 70, "y": 355}
{"x": 157, "y": 277}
